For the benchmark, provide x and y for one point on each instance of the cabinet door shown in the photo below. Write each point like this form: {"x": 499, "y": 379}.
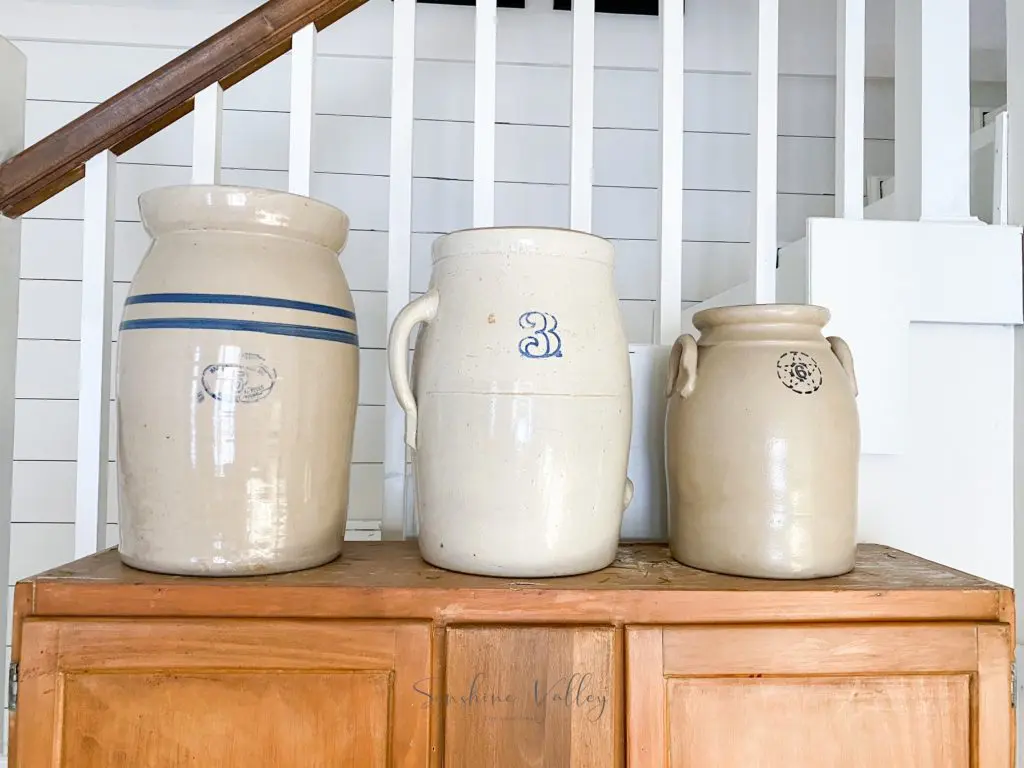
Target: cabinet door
{"x": 532, "y": 697}
{"x": 225, "y": 693}
{"x": 820, "y": 696}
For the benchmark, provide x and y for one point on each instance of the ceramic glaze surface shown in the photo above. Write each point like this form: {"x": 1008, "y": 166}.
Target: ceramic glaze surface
{"x": 237, "y": 381}
{"x": 763, "y": 444}
{"x": 519, "y": 409}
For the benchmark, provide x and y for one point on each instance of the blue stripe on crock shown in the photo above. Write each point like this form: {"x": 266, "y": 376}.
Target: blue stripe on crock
{"x": 253, "y": 326}
{"x": 239, "y": 299}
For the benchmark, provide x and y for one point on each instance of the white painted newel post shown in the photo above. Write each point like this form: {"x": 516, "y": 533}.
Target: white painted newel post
{"x": 396, "y": 522}
{"x": 94, "y": 365}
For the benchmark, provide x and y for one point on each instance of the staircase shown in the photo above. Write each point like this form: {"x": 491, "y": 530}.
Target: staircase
{"x": 914, "y": 298}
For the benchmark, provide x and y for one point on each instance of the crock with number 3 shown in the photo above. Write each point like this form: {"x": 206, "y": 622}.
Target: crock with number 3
{"x": 763, "y": 444}
{"x": 519, "y": 411}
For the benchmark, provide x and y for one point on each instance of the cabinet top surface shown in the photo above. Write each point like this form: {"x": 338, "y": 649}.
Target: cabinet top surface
{"x": 390, "y": 580}
{"x": 398, "y": 565}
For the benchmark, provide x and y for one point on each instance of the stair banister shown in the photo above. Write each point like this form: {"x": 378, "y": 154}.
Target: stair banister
{"x": 159, "y": 99}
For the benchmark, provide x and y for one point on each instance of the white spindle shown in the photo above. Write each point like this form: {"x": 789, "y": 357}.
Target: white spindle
{"x": 581, "y": 175}
{"x": 850, "y": 109}
{"x": 94, "y": 361}
{"x": 670, "y": 292}
{"x": 1000, "y": 170}
{"x": 208, "y": 128}
{"x": 403, "y": 70}
{"x": 484, "y": 112}
{"x": 303, "y": 114}
{"x": 766, "y": 173}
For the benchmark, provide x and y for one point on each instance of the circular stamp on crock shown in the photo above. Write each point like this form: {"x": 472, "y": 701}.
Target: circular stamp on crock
{"x": 799, "y": 372}
{"x": 249, "y": 381}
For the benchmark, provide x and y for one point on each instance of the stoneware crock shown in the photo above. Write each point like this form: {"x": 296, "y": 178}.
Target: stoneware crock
{"x": 519, "y": 412}
{"x": 237, "y": 379}
{"x": 763, "y": 444}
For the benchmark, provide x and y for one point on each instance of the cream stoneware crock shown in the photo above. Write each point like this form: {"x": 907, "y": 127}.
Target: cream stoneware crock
{"x": 519, "y": 411}
{"x": 763, "y": 444}
{"x": 237, "y": 385}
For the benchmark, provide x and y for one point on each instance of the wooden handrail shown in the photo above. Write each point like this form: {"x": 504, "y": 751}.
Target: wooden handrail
{"x": 56, "y": 162}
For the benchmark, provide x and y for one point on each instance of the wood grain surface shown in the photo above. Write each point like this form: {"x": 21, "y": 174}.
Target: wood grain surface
{"x": 41, "y": 171}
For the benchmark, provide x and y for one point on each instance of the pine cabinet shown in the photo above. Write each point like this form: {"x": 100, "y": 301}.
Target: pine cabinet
{"x": 381, "y": 660}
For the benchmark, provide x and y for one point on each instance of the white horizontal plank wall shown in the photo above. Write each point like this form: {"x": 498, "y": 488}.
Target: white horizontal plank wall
{"x": 12, "y": 137}
{"x": 94, "y": 354}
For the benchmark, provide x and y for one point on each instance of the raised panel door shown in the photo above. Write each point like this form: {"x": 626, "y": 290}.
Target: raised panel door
{"x": 827, "y": 696}
{"x": 229, "y": 693}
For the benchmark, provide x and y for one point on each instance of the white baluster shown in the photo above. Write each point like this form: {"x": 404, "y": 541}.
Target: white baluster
{"x": 670, "y": 291}
{"x": 303, "y": 114}
{"x": 581, "y": 173}
{"x": 484, "y": 112}
{"x": 94, "y": 362}
{"x": 208, "y": 127}
{"x": 850, "y": 109}
{"x": 766, "y": 183}
{"x": 1000, "y": 169}
{"x": 403, "y": 70}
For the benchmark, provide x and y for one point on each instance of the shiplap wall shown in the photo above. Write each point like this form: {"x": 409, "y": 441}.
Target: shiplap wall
{"x": 351, "y": 164}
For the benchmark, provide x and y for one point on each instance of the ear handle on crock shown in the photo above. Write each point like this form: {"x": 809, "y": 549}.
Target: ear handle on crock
{"x": 682, "y": 367}
{"x": 421, "y": 310}
{"x": 842, "y": 351}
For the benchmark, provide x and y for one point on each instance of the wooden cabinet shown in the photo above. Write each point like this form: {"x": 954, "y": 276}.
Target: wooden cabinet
{"x": 380, "y": 660}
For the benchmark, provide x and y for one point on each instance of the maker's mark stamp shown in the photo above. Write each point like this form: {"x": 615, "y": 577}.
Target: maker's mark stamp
{"x": 247, "y": 381}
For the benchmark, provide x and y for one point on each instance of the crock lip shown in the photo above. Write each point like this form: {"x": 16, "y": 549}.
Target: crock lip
{"x": 444, "y": 241}
{"x": 804, "y": 314}
{"x": 334, "y": 239}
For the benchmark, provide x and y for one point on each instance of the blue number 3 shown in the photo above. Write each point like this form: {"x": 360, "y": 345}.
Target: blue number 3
{"x": 544, "y": 341}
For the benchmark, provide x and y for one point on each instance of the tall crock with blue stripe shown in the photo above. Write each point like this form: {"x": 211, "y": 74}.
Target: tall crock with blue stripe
{"x": 520, "y": 410}
{"x": 237, "y": 385}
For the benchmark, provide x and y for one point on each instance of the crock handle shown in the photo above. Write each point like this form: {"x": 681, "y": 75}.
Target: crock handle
{"x": 421, "y": 310}
{"x": 682, "y": 367}
{"x": 627, "y": 497}
{"x": 842, "y": 351}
